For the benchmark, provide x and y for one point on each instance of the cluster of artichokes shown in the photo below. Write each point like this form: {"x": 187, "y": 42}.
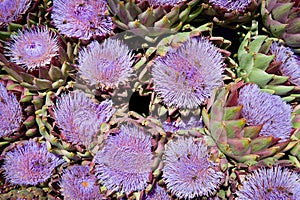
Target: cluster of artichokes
{"x": 149, "y": 99}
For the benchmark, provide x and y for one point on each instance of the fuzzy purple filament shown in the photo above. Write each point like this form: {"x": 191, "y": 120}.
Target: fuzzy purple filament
{"x": 29, "y": 163}
{"x": 186, "y": 76}
{"x": 77, "y": 182}
{"x": 289, "y": 62}
{"x": 106, "y": 65}
{"x": 260, "y": 108}
{"x": 81, "y": 18}
{"x": 165, "y": 2}
{"x": 157, "y": 193}
{"x": 188, "y": 172}
{"x": 33, "y": 48}
{"x": 10, "y": 10}
{"x": 271, "y": 184}
{"x": 124, "y": 164}
{"x": 231, "y": 5}
{"x": 10, "y": 113}
{"x": 80, "y": 118}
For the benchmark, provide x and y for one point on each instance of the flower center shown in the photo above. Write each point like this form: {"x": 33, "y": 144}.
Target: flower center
{"x": 108, "y": 70}
{"x": 84, "y": 12}
{"x": 85, "y": 184}
{"x": 34, "y": 49}
{"x": 36, "y": 165}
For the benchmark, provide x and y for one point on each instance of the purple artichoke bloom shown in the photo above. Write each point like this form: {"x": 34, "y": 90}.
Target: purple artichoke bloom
{"x": 124, "y": 164}
{"x": 231, "y": 5}
{"x": 29, "y": 163}
{"x": 81, "y": 18}
{"x": 271, "y": 184}
{"x": 33, "y": 48}
{"x": 266, "y": 109}
{"x": 107, "y": 64}
{"x": 188, "y": 172}
{"x": 10, "y": 113}
{"x": 290, "y": 63}
{"x": 157, "y": 193}
{"x": 80, "y": 118}
{"x": 10, "y": 10}
{"x": 186, "y": 77}
{"x": 78, "y": 182}
{"x": 165, "y": 2}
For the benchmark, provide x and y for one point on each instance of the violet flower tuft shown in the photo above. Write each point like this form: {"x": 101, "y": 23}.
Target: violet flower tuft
{"x": 186, "y": 77}
{"x": 10, "y": 113}
{"x": 81, "y": 18}
{"x": 10, "y": 10}
{"x": 231, "y": 5}
{"x": 263, "y": 108}
{"x": 29, "y": 163}
{"x": 106, "y": 65}
{"x": 80, "y": 118}
{"x": 188, "y": 172}
{"x": 125, "y": 161}
{"x": 271, "y": 184}
{"x": 157, "y": 193}
{"x": 165, "y": 2}
{"x": 33, "y": 48}
{"x": 290, "y": 63}
{"x": 78, "y": 182}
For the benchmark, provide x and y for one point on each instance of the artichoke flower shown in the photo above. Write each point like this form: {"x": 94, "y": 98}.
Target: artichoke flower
{"x": 35, "y": 59}
{"x": 244, "y": 123}
{"x": 230, "y": 14}
{"x": 81, "y": 19}
{"x": 270, "y": 183}
{"x": 124, "y": 163}
{"x": 29, "y": 163}
{"x": 272, "y": 66}
{"x": 34, "y": 55}
{"x": 11, "y": 10}
{"x": 78, "y": 182}
{"x": 10, "y": 112}
{"x": 18, "y": 110}
{"x": 189, "y": 171}
{"x": 282, "y": 19}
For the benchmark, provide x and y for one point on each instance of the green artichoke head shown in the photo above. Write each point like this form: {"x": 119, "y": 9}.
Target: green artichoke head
{"x": 282, "y": 19}
{"x": 236, "y": 138}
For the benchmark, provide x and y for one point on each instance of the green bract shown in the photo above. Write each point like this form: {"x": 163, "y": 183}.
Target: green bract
{"x": 257, "y": 65}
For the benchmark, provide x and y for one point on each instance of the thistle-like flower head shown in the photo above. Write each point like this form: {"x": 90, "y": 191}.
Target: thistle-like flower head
{"x": 271, "y": 184}
{"x": 185, "y": 77}
{"x": 78, "y": 182}
{"x": 29, "y": 163}
{"x": 231, "y": 5}
{"x": 107, "y": 64}
{"x": 165, "y": 2}
{"x": 33, "y": 48}
{"x": 263, "y": 108}
{"x": 290, "y": 63}
{"x": 124, "y": 163}
{"x": 188, "y": 172}
{"x": 10, "y": 10}
{"x": 80, "y": 118}
{"x": 10, "y": 113}
{"x": 158, "y": 193}
{"x": 81, "y": 18}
